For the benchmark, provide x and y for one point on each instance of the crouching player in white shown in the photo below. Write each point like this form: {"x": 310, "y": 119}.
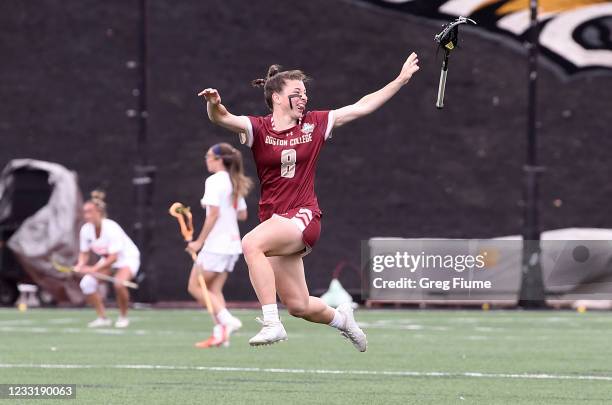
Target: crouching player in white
{"x": 119, "y": 257}
{"x": 219, "y": 241}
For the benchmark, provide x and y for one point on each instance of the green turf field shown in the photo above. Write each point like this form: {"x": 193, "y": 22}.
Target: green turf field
{"x": 421, "y": 357}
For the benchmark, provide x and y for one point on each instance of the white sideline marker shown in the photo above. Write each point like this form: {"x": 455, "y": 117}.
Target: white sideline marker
{"x": 313, "y": 371}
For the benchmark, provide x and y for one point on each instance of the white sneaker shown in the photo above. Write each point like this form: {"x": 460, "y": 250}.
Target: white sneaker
{"x": 122, "y": 322}
{"x": 217, "y": 339}
{"x": 99, "y": 323}
{"x": 271, "y": 332}
{"x": 351, "y": 330}
{"x": 233, "y": 326}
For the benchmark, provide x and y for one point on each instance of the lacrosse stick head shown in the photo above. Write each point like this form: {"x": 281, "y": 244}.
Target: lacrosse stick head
{"x": 448, "y": 38}
{"x": 178, "y": 209}
{"x": 61, "y": 268}
{"x": 184, "y": 218}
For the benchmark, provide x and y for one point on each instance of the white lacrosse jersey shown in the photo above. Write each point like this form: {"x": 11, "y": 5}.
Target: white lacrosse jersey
{"x": 112, "y": 240}
{"x": 224, "y": 237}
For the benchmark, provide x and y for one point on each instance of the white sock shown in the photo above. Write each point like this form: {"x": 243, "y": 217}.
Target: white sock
{"x": 338, "y": 321}
{"x": 224, "y": 316}
{"x": 218, "y": 332}
{"x": 270, "y": 313}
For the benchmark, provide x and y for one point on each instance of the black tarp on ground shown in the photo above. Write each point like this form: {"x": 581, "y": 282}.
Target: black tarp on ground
{"x": 408, "y": 170}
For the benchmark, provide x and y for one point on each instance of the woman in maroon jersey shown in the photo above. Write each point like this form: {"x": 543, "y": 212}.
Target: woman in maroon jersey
{"x": 285, "y": 146}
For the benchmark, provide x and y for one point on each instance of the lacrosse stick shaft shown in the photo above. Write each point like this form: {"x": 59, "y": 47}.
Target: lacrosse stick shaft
{"x": 100, "y": 276}
{"x": 185, "y": 220}
{"x": 203, "y": 287}
{"x": 206, "y": 296}
{"x": 442, "y": 84}
{"x": 112, "y": 279}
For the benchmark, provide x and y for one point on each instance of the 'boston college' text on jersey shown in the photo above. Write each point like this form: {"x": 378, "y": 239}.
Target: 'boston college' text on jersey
{"x": 287, "y": 160}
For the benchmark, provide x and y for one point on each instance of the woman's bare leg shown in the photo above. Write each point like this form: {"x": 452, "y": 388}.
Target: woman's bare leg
{"x": 293, "y": 291}
{"x": 210, "y": 277}
{"x": 216, "y": 298}
{"x": 215, "y": 283}
{"x": 121, "y": 291}
{"x": 89, "y": 285}
{"x": 274, "y": 237}
{"x": 96, "y": 301}
{"x": 193, "y": 286}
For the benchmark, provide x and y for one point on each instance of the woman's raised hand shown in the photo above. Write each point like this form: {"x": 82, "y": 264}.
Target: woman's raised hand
{"x": 211, "y": 95}
{"x": 410, "y": 67}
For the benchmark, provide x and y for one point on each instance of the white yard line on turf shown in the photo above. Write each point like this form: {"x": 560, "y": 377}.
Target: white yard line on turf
{"x": 62, "y": 321}
{"x": 313, "y": 371}
{"x": 103, "y": 331}
{"x": 11, "y": 322}
{"x": 108, "y": 331}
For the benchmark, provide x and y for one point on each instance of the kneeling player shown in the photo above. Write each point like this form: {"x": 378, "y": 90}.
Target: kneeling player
{"x": 119, "y": 257}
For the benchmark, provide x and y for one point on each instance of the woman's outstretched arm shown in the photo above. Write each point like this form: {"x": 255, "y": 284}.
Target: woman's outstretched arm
{"x": 373, "y": 101}
{"x": 218, "y": 114}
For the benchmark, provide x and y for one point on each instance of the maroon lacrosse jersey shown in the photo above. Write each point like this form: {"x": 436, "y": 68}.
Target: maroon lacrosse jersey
{"x": 287, "y": 161}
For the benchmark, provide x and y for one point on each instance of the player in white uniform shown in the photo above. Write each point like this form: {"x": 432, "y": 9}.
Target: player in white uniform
{"x": 219, "y": 241}
{"x": 119, "y": 257}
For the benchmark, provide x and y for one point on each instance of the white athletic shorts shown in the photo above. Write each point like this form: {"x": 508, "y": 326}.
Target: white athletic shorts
{"x": 132, "y": 262}
{"x": 217, "y": 262}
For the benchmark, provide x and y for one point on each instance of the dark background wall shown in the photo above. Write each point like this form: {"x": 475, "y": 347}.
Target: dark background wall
{"x": 407, "y": 170}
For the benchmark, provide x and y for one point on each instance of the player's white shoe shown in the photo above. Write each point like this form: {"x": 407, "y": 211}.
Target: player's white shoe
{"x": 233, "y": 326}
{"x": 99, "y": 323}
{"x": 220, "y": 337}
{"x": 351, "y": 330}
{"x": 271, "y": 332}
{"x": 122, "y": 322}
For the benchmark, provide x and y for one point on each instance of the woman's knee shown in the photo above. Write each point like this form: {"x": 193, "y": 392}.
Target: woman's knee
{"x": 88, "y": 284}
{"x": 250, "y": 245}
{"x": 215, "y": 289}
{"x": 297, "y": 307}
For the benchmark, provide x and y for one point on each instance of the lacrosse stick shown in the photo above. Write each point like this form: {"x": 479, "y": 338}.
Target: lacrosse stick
{"x": 448, "y": 40}
{"x": 101, "y": 276}
{"x": 185, "y": 220}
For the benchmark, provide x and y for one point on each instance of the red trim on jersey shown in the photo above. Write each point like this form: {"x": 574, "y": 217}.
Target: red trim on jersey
{"x": 312, "y": 226}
